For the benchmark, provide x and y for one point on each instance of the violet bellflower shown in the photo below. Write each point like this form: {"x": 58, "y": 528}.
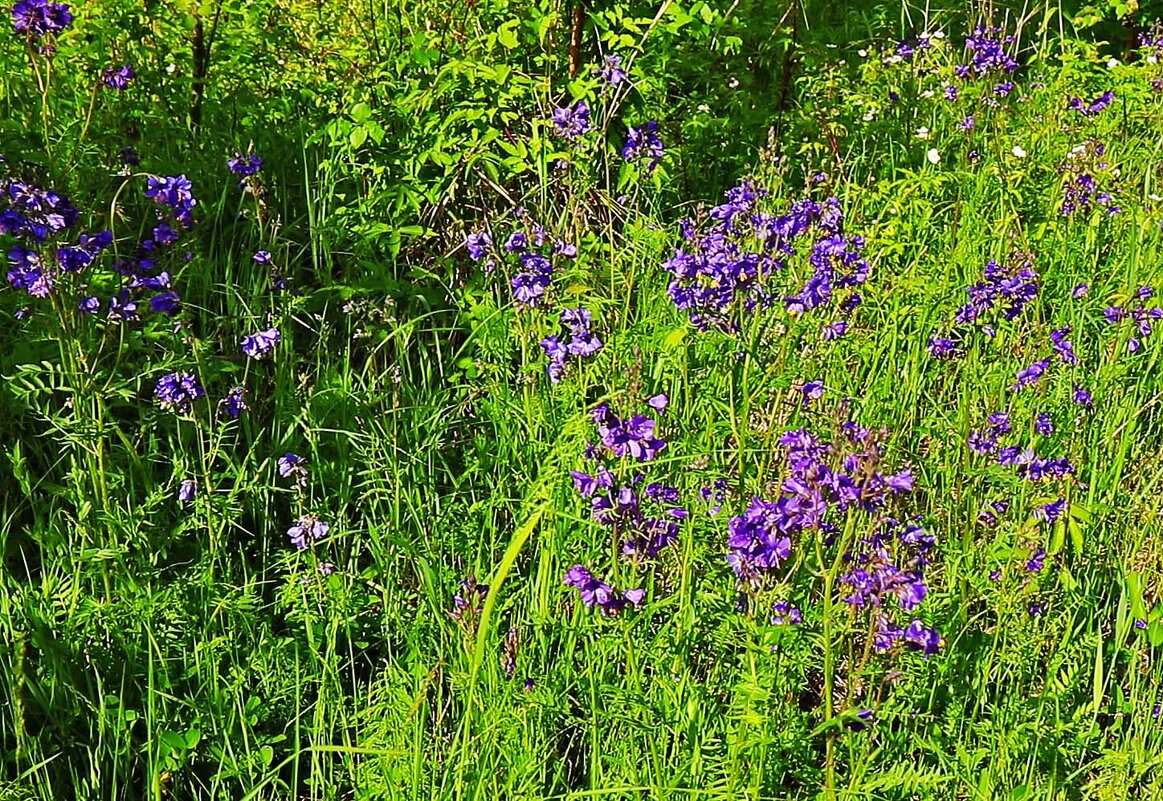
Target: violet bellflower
{"x": 307, "y": 530}
{"x": 597, "y": 593}
{"x": 36, "y": 18}
{"x": 579, "y": 342}
{"x": 178, "y": 391}
{"x": 644, "y": 144}
{"x": 235, "y": 402}
{"x": 118, "y": 78}
{"x": 261, "y": 344}
{"x": 571, "y": 122}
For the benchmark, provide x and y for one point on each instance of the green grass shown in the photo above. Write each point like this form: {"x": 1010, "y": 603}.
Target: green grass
{"x": 150, "y": 649}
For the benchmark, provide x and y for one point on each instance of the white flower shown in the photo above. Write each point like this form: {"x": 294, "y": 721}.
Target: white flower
{"x": 868, "y": 115}
{"x": 862, "y": 53}
{"x": 1114, "y": 62}
{"x": 922, "y": 132}
{"x": 938, "y": 34}
{"x": 933, "y": 156}
{"x": 733, "y": 82}
{"x": 927, "y": 93}
{"x": 703, "y": 108}
{"x": 1018, "y": 152}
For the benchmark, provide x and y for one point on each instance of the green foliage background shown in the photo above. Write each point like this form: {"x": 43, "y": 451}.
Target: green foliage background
{"x": 154, "y": 650}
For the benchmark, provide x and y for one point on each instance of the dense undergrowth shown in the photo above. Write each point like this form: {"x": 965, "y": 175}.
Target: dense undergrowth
{"x": 580, "y": 400}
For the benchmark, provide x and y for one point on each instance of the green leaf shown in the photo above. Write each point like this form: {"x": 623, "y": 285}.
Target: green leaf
{"x": 507, "y": 34}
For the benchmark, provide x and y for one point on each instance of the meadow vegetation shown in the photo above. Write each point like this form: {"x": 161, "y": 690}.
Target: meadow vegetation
{"x": 581, "y": 399}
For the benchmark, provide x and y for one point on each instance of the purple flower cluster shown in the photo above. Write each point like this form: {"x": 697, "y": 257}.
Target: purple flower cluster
{"x": 261, "y": 344}
{"x": 580, "y": 342}
{"x": 36, "y": 18}
{"x": 177, "y": 193}
{"x": 1025, "y": 461}
{"x": 292, "y": 465}
{"x": 735, "y": 264}
{"x": 890, "y": 565}
{"x": 643, "y": 517}
{"x": 620, "y": 508}
{"x": 29, "y": 272}
{"x": 31, "y": 213}
{"x": 244, "y": 165}
{"x": 1010, "y": 288}
{"x": 821, "y": 487}
{"x": 307, "y": 530}
{"x": 468, "y": 602}
{"x": 1094, "y": 107}
{"x": 571, "y": 122}
{"x": 611, "y": 71}
{"x": 784, "y": 614}
{"x": 1140, "y": 314}
{"x": 987, "y": 49}
{"x": 235, "y": 402}
{"x": 595, "y": 592}
{"x": 178, "y": 391}
{"x": 535, "y": 256}
{"x": 1004, "y": 292}
{"x": 643, "y": 142}
{"x": 118, "y": 78}
{"x": 1085, "y": 165}
{"x": 633, "y": 437}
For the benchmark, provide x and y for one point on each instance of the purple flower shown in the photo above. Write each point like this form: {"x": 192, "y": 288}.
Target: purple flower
{"x": 122, "y": 308}
{"x": 572, "y": 122}
{"x": 581, "y": 342}
{"x": 758, "y": 539}
{"x": 261, "y": 344}
{"x": 784, "y": 614}
{"x": 187, "y": 490}
{"x": 37, "y": 18}
{"x": 478, "y": 245}
{"x": 611, "y": 71}
{"x": 1094, "y": 106}
{"x": 644, "y": 143}
{"x": 658, "y": 403}
{"x": 634, "y": 437}
{"x": 942, "y": 348}
{"x": 262, "y": 257}
{"x": 532, "y": 284}
{"x": 1051, "y": 512}
{"x": 175, "y": 192}
{"x": 178, "y": 391}
{"x": 594, "y": 592}
{"x": 916, "y": 636}
{"x": 118, "y": 78}
{"x": 1029, "y": 376}
{"x": 235, "y": 402}
{"x": 1082, "y": 397}
{"x": 90, "y": 305}
{"x": 165, "y": 303}
{"x": 307, "y": 530}
{"x": 1044, "y": 425}
{"x": 1036, "y": 562}
{"x": 835, "y": 329}
{"x": 244, "y": 165}
{"x": 1080, "y": 291}
{"x": 291, "y": 464}
{"x": 813, "y": 390}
